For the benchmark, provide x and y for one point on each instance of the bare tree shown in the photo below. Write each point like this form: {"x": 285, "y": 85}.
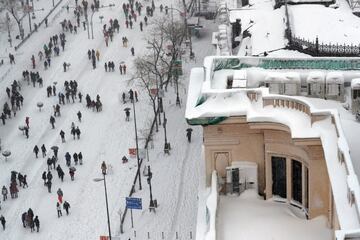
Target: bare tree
{"x": 147, "y": 81}
{"x": 15, "y": 8}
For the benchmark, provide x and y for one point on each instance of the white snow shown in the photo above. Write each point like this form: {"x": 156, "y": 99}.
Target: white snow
{"x": 249, "y": 217}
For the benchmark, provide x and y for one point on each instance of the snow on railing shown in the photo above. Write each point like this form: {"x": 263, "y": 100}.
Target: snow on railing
{"x": 211, "y": 209}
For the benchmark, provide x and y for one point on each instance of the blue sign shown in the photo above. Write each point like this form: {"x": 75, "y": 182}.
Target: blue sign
{"x": 133, "y": 203}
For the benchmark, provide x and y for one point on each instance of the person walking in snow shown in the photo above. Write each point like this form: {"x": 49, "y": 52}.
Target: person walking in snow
{"x": 36, "y": 151}
{"x": 60, "y": 172}
{"x": 79, "y": 115}
{"x": 52, "y": 121}
{"x": 44, "y": 177}
{"x": 27, "y": 122}
{"x": 60, "y": 195}
{"x": 3, "y": 221}
{"x": 43, "y": 150}
{"x": 97, "y": 55}
{"x": 49, "y": 163}
{"x": 26, "y": 129}
{"x": 37, "y": 223}
{"x": 72, "y": 173}
{"x": 68, "y": 159}
{"x": 58, "y": 208}
{"x": 127, "y": 114}
{"x": 77, "y": 131}
{"x": 66, "y": 206}
{"x": 23, "y": 219}
{"x": 48, "y": 184}
{"x": 132, "y": 51}
{"x": 33, "y": 61}
{"x": 4, "y": 192}
{"x": 80, "y": 156}
{"x": 76, "y": 159}
{"x": 141, "y": 26}
{"x": 62, "y": 135}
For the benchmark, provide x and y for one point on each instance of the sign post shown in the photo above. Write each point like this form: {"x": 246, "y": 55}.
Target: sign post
{"x": 133, "y": 203}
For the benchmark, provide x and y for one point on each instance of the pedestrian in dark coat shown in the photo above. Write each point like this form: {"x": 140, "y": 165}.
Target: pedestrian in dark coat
{"x": 72, "y": 173}
{"x": 43, "y": 150}
{"x": 49, "y": 163}
{"x": 80, "y": 156}
{"x": 132, "y": 51}
{"x": 36, "y": 151}
{"x": 23, "y": 219}
{"x": 75, "y": 156}
{"x": 48, "y": 184}
{"x": 52, "y": 122}
{"x": 26, "y": 129}
{"x": 127, "y": 114}
{"x": 188, "y": 134}
{"x": 62, "y": 135}
{"x": 3, "y": 221}
{"x": 79, "y": 115}
{"x": 25, "y": 182}
{"x": 66, "y": 206}
{"x": 77, "y": 130}
{"x": 37, "y": 223}
{"x": 44, "y": 177}
{"x": 68, "y": 159}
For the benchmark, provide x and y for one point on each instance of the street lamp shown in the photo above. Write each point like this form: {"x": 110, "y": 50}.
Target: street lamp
{"x": 166, "y": 144}
{"x": 137, "y": 146}
{"x": 149, "y": 182}
{"x": 106, "y": 199}
{"x": 91, "y": 19}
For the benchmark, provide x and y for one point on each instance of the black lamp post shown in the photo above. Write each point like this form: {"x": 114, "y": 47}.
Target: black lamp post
{"x": 164, "y": 124}
{"x": 149, "y": 182}
{"x": 137, "y": 146}
{"x": 106, "y": 198}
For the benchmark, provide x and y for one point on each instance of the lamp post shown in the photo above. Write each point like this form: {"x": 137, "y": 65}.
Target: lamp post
{"x": 137, "y": 146}
{"x": 164, "y": 125}
{"x": 106, "y": 199}
{"x": 149, "y": 182}
{"x": 91, "y": 19}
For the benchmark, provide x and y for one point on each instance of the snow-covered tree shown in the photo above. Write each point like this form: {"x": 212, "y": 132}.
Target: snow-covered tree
{"x": 15, "y": 8}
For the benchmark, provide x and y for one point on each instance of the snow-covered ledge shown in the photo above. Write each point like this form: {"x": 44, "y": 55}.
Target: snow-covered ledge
{"x": 211, "y": 210}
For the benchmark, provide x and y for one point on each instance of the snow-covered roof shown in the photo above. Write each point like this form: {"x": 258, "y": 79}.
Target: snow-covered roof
{"x": 315, "y": 77}
{"x": 355, "y": 83}
{"x": 275, "y": 77}
{"x": 335, "y": 78}
{"x": 292, "y": 77}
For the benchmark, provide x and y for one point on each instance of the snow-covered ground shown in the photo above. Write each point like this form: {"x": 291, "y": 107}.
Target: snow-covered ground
{"x": 249, "y": 217}
{"x": 106, "y": 136}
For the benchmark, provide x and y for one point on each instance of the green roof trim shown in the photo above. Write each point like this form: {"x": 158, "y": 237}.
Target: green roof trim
{"x": 200, "y": 100}
{"x": 206, "y": 121}
{"x": 268, "y": 63}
